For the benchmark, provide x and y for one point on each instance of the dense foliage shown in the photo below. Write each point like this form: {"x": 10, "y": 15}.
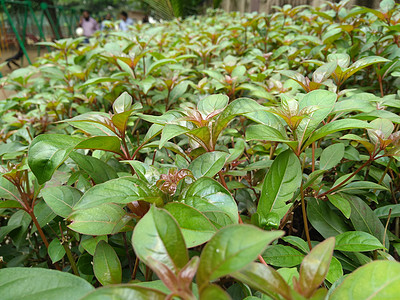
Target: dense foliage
{"x": 215, "y": 157}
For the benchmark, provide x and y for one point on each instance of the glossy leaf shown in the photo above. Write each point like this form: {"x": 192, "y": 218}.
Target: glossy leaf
{"x": 212, "y": 103}
{"x": 223, "y": 255}
{"x": 323, "y": 219}
{"x": 357, "y": 241}
{"x": 363, "y": 219}
{"x": 208, "y": 164}
{"x": 122, "y": 103}
{"x": 315, "y": 266}
{"x": 282, "y": 256}
{"x": 265, "y": 279}
{"x": 281, "y": 181}
{"x": 157, "y": 235}
{"x": 213, "y": 291}
{"x": 376, "y": 280}
{"x": 121, "y": 190}
{"x": 47, "y": 152}
{"x": 106, "y": 264}
{"x": 213, "y": 200}
{"x": 340, "y": 203}
{"x": 195, "y": 226}
{"x": 98, "y": 170}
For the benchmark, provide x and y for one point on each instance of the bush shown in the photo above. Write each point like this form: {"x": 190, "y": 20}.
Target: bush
{"x": 258, "y": 154}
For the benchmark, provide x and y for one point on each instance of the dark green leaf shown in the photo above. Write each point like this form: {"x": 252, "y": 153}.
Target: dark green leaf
{"x": 323, "y": 219}
{"x": 281, "y": 181}
{"x": 56, "y": 250}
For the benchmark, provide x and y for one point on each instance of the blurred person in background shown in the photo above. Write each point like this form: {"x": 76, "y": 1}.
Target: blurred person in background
{"x": 104, "y": 23}
{"x": 125, "y": 21}
{"x": 88, "y": 24}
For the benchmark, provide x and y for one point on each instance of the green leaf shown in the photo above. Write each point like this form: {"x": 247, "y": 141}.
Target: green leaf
{"x": 376, "y": 280}
{"x": 282, "y": 256}
{"x": 361, "y": 64}
{"x": 355, "y": 187}
{"x": 90, "y": 243}
{"x": 223, "y": 255}
{"x": 47, "y": 152}
{"x": 56, "y": 250}
{"x": 106, "y": 143}
{"x": 10, "y": 204}
{"x": 121, "y": 190}
{"x": 155, "y": 65}
{"x": 208, "y": 164}
{"x": 41, "y": 284}
{"x": 265, "y": 133}
{"x": 340, "y": 203}
{"x": 122, "y": 103}
{"x": 125, "y": 292}
{"x": 331, "y": 156}
{"x": 335, "y": 271}
{"x": 213, "y": 200}
{"x": 315, "y": 266}
{"x": 281, "y": 181}
{"x": 265, "y": 279}
{"x": 357, "y": 241}
{"x": 383, "y": 212}
{"x": 335, "y": 126}
{"x": 106, "y": 264}
{"x": 363, "y": 219}
{"x": 214, "y": 292}
{"x": 170, "y": 131}
{"x": 157, "y": 235}
{"x": 323, "y": 101}
{"x": 104, "y": 219}
{"x": 98, "y": 170}
{"x": 61, "y": 199}
{"x": 323, "y": 219}
{"x": 195, "y": 226}
{"x": 212, "y": 103}
{"x": 178, "y": 90}
{"x": 297, "y": 242}
{"x": 120, "y": 120}
{"x": 238, "y": 107}
{"x": 324, "y": 72}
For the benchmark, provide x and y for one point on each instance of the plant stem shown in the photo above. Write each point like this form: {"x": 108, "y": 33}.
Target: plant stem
{"x": 135, "y": 268}
{"x": 313, "y": 157}
{"x": 347, "y": 179}
{"x": 71, "y": 259}
{"x": 305, "y": 221}
{"x": 221, "y": 177}
{"x": 39, "y": 229}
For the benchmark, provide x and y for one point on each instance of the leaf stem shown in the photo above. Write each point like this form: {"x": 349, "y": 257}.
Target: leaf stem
{"x": 70, "y": 258}
{"x": 305, "y": 221}
{"x": 347, "y": 179}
